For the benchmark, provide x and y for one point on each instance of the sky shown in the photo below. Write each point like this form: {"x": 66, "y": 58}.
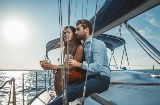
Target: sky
{"x": 27, "y": 25}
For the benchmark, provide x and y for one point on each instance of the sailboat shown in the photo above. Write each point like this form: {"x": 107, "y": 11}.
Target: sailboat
{"x": 127, "y": 87}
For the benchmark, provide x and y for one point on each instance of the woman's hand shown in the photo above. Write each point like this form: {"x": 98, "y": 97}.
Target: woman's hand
{"x": 74, "y": 63}
{"x": 47, "y": 66}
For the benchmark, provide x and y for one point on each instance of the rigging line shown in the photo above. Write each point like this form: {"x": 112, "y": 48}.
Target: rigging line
{"x": 126, "y": 56}
{"x": 122, "y": 58}
{"x": 62, "y": 54}
{"x": 142, "y": 46}
{"x": 66, "y": 78}
{"x": 144, "y": 40}
{"x": 82, "y": 9}
{"x": 146, "y": 50}
{"x": 71, "y": 2}
{"x": 145, "y": 46}
{"x": 61, "y": 40}
{"x": 138, "y": 40}
{"x": 123, "y": 50}
{"x": 135, "y": 84}
{"x": 115, "y": 62}
{"x": 119, "y": 31}
{"x": 109, "y": 63}
{"x": 60, "y": 25}
{"x": 75, "y": 14}
{"x": 84, "y": 91}
{"x": 86, "y": 8}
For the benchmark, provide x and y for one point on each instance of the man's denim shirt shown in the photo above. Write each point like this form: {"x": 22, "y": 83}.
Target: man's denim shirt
{"x": 98, "y": 60}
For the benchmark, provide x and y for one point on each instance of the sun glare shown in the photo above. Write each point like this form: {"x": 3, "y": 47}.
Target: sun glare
{"x": 14, "y": 30}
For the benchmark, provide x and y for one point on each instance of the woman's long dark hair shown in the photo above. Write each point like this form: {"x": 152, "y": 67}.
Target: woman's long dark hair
{"x": 73, "y": 30}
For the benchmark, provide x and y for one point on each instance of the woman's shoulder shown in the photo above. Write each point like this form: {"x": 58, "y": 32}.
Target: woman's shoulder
{"x": 80, "y": 46}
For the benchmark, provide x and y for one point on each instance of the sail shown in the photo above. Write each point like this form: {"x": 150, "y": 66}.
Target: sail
{"x": 115, "y": 12}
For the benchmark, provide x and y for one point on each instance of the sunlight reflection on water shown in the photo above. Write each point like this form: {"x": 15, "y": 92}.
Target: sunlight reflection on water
{"x": 29, "y": 85}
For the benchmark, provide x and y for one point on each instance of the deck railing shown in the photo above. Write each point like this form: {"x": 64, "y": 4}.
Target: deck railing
{"x": 12, "y": 96}
{"x": 27, "y": 87}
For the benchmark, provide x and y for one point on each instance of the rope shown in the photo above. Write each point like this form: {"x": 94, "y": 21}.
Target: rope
{"x": 122, "y": 58}
{"x": 119, "y": 31}
{"x": 65, "y": 100}
{"x": 84, "y": 91}
{"x": 137, "y": 84}
{"x": 112, "y": 55}
{"x": 61, "y": 50}
{"x": 126, "y": 56}
{"x": 115, "y": 62}
{"x": 125, "y": 51}
{"x": 141, "y": 43}
{"x": 82, "y": 9}
{"x": 86, "y": 9}
{"x": 75, "y": 14}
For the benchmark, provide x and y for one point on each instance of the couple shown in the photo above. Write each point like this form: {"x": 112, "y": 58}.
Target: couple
{"x": 98, "y": 78}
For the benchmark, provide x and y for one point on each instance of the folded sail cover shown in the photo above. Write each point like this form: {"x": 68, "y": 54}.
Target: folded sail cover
{"x": 115, "y": 12}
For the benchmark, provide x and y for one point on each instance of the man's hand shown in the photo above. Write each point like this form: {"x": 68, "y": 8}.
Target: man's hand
{"x": 74, "y": 63}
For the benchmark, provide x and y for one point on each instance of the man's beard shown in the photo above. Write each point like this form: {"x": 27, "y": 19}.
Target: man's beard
{"x": 79, "y": 37}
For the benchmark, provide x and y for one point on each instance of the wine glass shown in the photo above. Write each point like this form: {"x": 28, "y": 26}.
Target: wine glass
{"x": 42, "y": 59}
{"x": 66, "y": 62}
{"x": 67, "y": 57}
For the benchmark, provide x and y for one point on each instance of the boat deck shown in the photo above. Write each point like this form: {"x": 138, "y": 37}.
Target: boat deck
{"x": 130, "y": 88}
{"x": 126, "y": 88}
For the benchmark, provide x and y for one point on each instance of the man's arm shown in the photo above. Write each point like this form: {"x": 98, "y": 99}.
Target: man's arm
{"x": 96, "y": 65}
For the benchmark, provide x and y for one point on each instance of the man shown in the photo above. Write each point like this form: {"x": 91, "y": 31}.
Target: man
{"x": 96, "y": 62}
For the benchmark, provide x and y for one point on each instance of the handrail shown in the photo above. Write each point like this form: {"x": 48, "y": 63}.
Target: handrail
{"x": 6, "y": 83}
{"x": 12, "y": 97}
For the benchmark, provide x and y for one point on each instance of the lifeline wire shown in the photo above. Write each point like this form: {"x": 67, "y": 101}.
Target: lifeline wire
{"x": 61, "y": 48}
{"x": 84, "y": 91}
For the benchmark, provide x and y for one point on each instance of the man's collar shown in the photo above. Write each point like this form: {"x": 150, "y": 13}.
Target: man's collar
{"x": 87, "y": 41}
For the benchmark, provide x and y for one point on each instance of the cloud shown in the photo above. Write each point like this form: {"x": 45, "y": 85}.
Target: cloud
{"x": 151, "y": 18}
{"x": 133, "y": 51}
{"x": 52, "y": 9}
{"x": 144, "y": 31}
{"x": 154, "y": 22}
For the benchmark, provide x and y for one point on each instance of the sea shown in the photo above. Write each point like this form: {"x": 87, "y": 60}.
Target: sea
{"x": 29, "y": 81}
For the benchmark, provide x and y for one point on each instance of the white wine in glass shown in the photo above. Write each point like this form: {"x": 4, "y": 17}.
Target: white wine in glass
{"x": 41, "y": 59}
{"x": 69, "y": 57}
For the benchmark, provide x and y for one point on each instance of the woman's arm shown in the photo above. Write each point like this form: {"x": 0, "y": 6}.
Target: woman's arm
{"x": 76, "y": 61}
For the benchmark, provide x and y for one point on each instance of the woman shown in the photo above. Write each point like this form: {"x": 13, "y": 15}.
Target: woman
{"x": 76, "y": 50}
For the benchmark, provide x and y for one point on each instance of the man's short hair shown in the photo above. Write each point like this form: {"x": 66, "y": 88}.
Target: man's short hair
{"x": 85, "y": 24}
